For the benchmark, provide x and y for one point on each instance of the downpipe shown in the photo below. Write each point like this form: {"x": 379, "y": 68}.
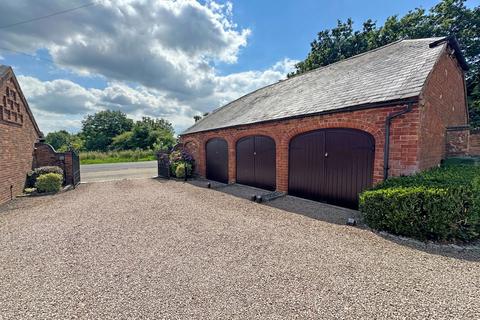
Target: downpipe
{"x": 386, "y": 149}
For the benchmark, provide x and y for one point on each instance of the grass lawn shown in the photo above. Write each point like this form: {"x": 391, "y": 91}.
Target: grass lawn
{"x": 96, "y": 157}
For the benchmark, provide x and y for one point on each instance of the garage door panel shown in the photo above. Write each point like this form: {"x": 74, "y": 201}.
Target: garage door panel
{"x": 331, "y": 165}
{"x": 217, "y": 160}
{"x": 265, "y": 163}
{"x": 306, "y": 164}
{"x": 256, "y": 162}
{"x": 246, "y": 161}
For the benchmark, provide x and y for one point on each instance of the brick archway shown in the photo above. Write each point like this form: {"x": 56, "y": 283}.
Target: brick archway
{"x": 282, "y": 147}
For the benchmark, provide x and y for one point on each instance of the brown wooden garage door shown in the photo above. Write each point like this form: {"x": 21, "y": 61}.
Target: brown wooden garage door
{"x": 331, "y": 165}
{"x": 217, "y": 160}
{"x": 256, "y": 162}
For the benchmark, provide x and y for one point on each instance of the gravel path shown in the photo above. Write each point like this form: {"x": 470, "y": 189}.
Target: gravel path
{"x": 155, "y": 249}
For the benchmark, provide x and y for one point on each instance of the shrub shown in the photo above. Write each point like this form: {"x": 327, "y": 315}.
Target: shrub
{"x": 181, "y": 168}
{"x": 34, "y": 174}
{"x": 50, "y": 182}
{"x": 29, "y": 190}
{"x": 182, "y": 159}
{"x": 439, "y": 204}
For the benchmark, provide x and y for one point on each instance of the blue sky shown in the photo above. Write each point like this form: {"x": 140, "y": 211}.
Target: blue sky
{"x": 163, "y": 58}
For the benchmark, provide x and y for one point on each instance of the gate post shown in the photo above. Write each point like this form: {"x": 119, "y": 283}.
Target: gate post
{"x": 163, "y": 164}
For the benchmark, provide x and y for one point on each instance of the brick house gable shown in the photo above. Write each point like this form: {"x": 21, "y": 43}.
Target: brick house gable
{"x": 19, "y": 132}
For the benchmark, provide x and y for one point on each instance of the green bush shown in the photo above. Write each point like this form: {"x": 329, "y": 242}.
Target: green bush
{"x": 439, "y": 204}
{"x": 34, "y": 174}
{"x": 50, "y": 182}
{"x": 180, "y": 169}
{"x": 181, "y": 160}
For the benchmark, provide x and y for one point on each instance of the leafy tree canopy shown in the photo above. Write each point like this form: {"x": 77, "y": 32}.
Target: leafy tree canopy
{"x": 449, "y": 17}
{"x": 100, "y": 128}
{"x": 58, "y": 139}
{"x": 62, "y": 141}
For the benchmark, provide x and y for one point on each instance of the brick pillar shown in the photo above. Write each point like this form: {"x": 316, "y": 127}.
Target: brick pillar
{"x": 282, "y": 165}
{"x": 201, "y": 159}
{"x": 232, "y": 161}
{"x": 68, "y": 167}
{"x": 474, "y": 143}
{"x": 457, "y": 141}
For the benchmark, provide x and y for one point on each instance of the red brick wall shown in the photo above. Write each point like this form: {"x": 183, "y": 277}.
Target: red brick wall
{"x": 474, "y": 143}
{"x": 458, "y": 140}
{"x": 45, "y": 155}
{"x": 17, "y": 138}
{"x": 403, "y": 151}
{"x": 443, "y": 106}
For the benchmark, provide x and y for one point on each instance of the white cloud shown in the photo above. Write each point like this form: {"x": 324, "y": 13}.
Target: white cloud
{"x": 166, "y": 45}
{"x": 61, "y": 104}
{"x": 157, "y": 57}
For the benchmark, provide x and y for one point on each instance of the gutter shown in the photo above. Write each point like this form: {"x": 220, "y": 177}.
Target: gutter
{"x": 386, "y": 148}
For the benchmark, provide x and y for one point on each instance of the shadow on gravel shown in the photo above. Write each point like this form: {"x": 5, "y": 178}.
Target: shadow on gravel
{"x": 311, "y": 209}
{"x": 337, "y": 215}
{"x": 463, "y": 252}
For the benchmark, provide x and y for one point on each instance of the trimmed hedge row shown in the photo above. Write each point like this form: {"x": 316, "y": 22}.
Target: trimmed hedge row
{"x": 439, "y": 204}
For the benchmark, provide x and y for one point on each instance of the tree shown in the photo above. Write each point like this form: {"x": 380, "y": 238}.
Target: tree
{"x": 99, "y": 129}
{"x": 147, "y": 133}
{"x": 449, "y": 17}
{"x": 122, "y": 141}
{"x": 155, "y": 124}
{"x": 58, "y": 139}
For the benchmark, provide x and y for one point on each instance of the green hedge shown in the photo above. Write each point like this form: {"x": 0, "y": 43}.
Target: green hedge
{"x": 439, "y": 204}
{"x": 50, "y": 182}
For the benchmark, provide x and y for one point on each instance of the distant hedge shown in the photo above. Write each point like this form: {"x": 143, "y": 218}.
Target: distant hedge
{"x": 441, "y": 204}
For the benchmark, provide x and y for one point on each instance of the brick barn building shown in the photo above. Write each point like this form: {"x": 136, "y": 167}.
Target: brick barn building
{"x": 18, "y": 134}
{"x": 332, "y": 132}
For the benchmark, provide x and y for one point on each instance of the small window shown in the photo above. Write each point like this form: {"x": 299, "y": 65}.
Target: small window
{"x": 8, "y": 92}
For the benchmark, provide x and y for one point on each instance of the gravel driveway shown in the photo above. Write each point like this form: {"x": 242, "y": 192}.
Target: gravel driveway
{"x": 155, "y": 249}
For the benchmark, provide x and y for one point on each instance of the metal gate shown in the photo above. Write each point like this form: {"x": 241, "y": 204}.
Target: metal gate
{"x": 217, "y": 159}
{"x": 256, "y": 162}
{"x": 75, "y": 168}
{"x": 331, "y": 165}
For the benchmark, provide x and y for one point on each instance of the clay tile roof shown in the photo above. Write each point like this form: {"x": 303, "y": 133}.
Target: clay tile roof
{"x": 393, "y": 72}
